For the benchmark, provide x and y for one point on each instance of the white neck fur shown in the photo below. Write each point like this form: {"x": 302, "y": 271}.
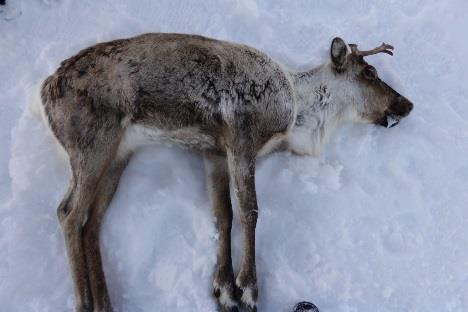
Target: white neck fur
{"x": 324, "y": 101}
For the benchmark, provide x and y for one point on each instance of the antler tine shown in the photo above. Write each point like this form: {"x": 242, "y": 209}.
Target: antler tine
{"x": 383, "y": 48}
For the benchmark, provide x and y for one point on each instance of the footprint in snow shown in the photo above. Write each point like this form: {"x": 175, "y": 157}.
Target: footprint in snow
{"x": 402, "y": 235}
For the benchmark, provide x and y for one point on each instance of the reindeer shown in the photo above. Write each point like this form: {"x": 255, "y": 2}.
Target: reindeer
{"x": 229, "y": 102}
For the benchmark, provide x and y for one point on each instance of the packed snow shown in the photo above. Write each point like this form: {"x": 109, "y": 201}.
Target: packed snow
{"x": 378, "y": 222}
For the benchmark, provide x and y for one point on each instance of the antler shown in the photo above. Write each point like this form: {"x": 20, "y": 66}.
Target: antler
{"x": 383, "y": 48}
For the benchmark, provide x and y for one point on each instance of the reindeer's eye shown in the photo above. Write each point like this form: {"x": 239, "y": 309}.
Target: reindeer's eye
{"x": 369, "y": 72}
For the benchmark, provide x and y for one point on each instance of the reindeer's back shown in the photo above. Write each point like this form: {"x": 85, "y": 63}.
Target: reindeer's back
{"x": 171, "y": 81}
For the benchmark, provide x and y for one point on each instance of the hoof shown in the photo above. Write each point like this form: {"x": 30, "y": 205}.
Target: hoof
{"x": 226, "y": 299}
{"x": 252, "y": 309}
{"x": 227, "y": 308}
{"x": 248, "y": 297}
{"x": 305, "y": 306}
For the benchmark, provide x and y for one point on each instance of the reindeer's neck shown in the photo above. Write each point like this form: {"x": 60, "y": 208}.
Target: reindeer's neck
{"x": 319, "y": 110}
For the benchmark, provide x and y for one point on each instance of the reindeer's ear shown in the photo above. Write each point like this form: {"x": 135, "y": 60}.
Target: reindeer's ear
{"x": 338, "y": 52}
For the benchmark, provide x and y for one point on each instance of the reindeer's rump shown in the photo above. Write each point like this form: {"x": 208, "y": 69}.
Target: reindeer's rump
{"x": 170, "y": 81}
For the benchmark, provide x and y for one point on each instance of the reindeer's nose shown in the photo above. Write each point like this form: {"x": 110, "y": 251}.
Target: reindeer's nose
{"x": 402, "y": 106}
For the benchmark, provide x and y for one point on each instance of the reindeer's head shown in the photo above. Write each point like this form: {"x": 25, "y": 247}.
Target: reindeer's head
{"x": 374, "y": 100}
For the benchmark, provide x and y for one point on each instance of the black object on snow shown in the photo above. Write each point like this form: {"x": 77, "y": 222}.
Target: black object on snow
{"x": 305, "y": 306}
{"x": 2, "y": 2}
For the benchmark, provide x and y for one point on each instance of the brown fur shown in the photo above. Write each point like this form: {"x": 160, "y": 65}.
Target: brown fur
{"x": 227, "y": 101}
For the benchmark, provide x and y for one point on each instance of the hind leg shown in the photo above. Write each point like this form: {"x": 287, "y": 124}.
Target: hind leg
{"x": 91, "y": 150}
{"x": 73, "y": 214}
{"x": 106, "y": 188}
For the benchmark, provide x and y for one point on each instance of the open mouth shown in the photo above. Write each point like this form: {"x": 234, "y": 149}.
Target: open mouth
{"x": 389, "y": 120}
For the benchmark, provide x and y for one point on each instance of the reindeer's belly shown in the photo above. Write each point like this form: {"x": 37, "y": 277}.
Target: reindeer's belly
{"x": 192, "y": 138}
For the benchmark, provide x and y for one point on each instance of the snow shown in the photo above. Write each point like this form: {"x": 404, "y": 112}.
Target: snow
{"x": 378, "y": 222}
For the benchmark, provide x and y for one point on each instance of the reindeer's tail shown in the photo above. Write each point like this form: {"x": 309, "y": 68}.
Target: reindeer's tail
{"x": 36, "y": 108}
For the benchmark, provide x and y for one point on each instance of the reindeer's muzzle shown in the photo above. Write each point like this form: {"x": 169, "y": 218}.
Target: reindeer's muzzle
{"x": 398, "y": 110}
{"x": 389, "y": 120}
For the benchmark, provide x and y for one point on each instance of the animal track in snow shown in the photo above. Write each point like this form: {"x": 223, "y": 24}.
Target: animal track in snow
{"x": 402, "y": 234}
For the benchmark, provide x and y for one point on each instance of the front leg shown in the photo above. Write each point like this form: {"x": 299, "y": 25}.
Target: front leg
{"x": 242, "y": 171}
{"x": 218, "y": 188}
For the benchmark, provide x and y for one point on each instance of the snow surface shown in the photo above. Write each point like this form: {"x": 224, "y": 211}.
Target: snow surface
{"x": 378, "y": 223}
